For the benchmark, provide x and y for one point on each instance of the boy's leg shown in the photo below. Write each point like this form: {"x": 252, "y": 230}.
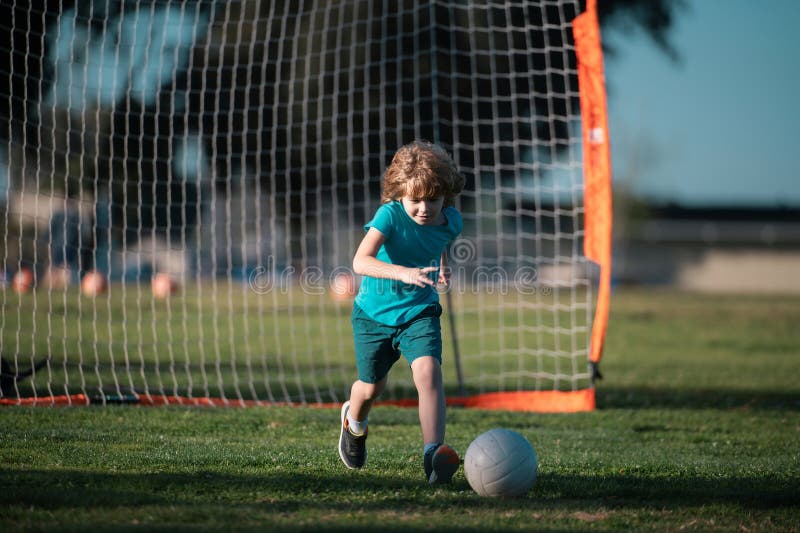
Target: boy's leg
{"x": 362, "y": 395}
{"x": 427, "y": 373}
{"x": 374, "y": 357}
{"x": 440, "y": 461}
{"x": 421, "y": 343}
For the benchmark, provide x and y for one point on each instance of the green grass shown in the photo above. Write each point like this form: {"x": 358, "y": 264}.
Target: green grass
{"x": 697, "y": 429}
{"x": 225, "y": 340}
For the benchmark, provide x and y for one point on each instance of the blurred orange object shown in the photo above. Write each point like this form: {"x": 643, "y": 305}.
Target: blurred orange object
{"x": 343, "y": 287}
{"x": 163, "y": 285}
{"x": 57, "y": 277}
{"x": 23, "y": 280}
{"x": 93, "y": 283}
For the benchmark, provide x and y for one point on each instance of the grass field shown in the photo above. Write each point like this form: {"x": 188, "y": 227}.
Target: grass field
{"x": 696, "y": 429}
{"x": 225, "y": 340}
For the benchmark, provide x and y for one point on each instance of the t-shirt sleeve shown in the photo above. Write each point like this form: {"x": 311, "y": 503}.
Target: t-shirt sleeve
{"x": 382, "y": 221}
{"x": 455, "y": 221}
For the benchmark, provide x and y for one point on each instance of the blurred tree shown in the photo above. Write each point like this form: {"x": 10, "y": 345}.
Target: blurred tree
{"x": 654, "y": 17}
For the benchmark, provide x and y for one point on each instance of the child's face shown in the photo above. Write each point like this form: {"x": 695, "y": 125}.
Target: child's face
{"x": 425, "y": 212}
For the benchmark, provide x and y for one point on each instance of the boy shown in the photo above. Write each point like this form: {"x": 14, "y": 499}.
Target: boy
{"x": 397, "y": 308}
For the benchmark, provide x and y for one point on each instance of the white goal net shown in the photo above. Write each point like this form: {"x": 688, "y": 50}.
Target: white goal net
{"x": 183, "y": 185}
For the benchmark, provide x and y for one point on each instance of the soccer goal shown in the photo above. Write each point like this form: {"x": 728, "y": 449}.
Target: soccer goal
{"x": 183, "y": 185}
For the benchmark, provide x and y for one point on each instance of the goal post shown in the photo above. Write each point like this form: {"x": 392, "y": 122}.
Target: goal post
{"x": 183, "y": 184}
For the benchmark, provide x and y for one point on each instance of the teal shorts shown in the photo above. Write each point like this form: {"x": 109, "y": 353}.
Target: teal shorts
{"x": 379, "y": 346}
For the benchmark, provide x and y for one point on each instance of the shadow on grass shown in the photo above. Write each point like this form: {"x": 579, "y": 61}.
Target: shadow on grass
{"x": 644, "y": 397}
{"x": 359, "y": 491}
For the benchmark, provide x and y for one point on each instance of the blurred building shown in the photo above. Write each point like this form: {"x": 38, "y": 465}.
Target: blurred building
{"x": 713, "y": 249}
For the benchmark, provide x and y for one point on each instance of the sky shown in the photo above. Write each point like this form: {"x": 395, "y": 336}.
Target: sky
{"x": 719, "y": 127}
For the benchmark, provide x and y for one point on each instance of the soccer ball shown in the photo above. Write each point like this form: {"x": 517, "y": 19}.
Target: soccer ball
{"x": 93, "y": 283}
{"x": 163, "y": 285}
{"x": 23, "y": 280}
{"x": 501, "y": 462}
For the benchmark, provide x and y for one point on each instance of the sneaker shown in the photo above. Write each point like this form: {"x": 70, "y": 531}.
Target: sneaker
{"x": 352, "y": 448}
{"x": 440, "y": 464}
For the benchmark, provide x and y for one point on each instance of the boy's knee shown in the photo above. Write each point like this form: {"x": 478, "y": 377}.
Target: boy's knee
{"x": 427, "y": 371}
{"x": 370, "y": 391}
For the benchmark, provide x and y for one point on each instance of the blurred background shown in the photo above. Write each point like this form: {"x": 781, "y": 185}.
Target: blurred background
{"x": 702, "y": 106}
{"x": 703, "y": 130}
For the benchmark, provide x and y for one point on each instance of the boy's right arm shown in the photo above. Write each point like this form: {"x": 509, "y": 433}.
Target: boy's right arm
{"x": 366, "y": 263}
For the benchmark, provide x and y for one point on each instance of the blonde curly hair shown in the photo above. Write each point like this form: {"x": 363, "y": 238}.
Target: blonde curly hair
{"x": 421, "y": 170}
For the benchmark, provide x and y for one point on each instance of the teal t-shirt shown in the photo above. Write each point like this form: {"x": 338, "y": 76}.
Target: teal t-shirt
{"x": 409, "y": 244}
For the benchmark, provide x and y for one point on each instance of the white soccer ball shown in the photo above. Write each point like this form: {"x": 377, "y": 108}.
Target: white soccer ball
{"x": 501, "y": 462}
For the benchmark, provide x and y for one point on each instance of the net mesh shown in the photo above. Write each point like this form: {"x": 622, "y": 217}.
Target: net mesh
{"x": 214, "y": 163}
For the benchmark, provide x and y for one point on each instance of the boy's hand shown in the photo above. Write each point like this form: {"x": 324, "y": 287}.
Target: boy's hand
{"x": 418, "y": 276}
{"x": 444, "y": 277}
